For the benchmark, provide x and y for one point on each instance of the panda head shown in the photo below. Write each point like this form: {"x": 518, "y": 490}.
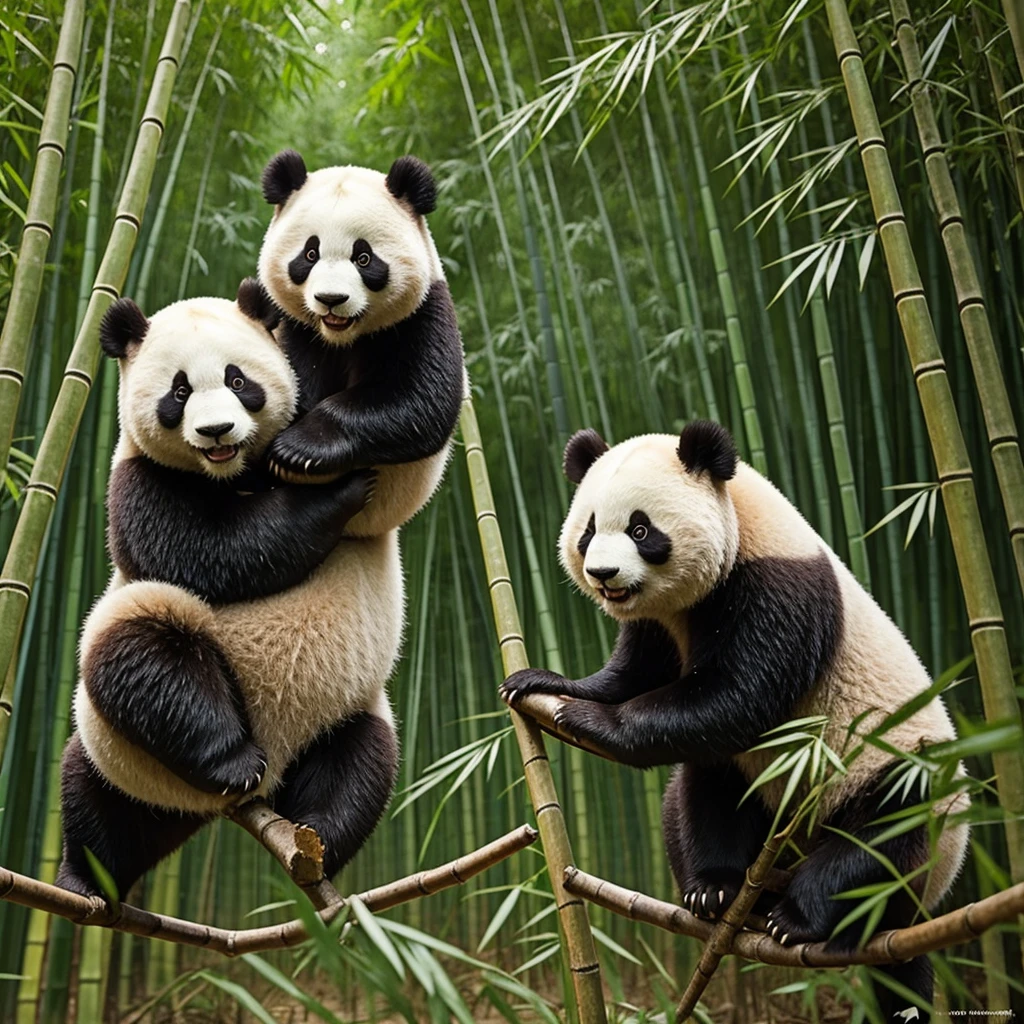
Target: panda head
{"x": 204, "y": 386}
{"x": 651, "y": 529}
{"x": 348, "y": 250}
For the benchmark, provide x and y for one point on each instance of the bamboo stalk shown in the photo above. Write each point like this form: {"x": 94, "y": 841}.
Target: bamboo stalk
{"x": 19, "y": 570}
{"x": 28, "y": 892}
{"x": 297, "y": 847}
{"x": 578, "y": 941}
{"x": 961, "y": 925}
{"x": 1003, "y": 440}
{"x": 27, "y": 284}
{"x": 988, "y": 635}
{"x": 1015, "y": 23}
{"x": 723, "y": 935}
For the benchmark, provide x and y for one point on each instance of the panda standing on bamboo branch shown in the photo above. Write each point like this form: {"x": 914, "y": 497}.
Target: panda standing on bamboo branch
{"x": 369, "y": 324}
{"x": 735, "y": 617}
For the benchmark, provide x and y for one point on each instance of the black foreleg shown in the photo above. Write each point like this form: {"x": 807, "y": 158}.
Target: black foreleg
{"x": 710, "y": 839}
{"x": 126, "y": 836}
{"x": 340, "y": 785}
{"x": 167, "y": 687}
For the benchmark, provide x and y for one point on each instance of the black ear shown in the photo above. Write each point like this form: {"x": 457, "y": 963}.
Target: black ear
{"x": 285, "y": 174}
{"x": 707, "y": 445}
{"x": 122, "y": 324}
{"x": 255, "y": 302}
{"x": 411, "y": 179}
{"x": 585, "y": 447}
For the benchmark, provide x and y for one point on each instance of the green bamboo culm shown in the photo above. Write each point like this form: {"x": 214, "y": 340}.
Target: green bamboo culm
{"x": 577, "y": 938}
{"x": 19, "y": 570}
{"x": 985, "y": 616}
{"x": 988, "y": 375}
{"x": 39, "y": 216}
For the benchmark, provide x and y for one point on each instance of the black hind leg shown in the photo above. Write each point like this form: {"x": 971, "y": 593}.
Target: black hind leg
{"x": 126, "y": 836}
{"x": 340, "y": 785}
{"x": 710, "y": 839}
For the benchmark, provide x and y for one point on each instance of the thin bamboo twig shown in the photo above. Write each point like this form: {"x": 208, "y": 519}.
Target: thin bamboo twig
{"x": 577, "y": 937}
{"x": 956, "y": 477}
{"x": 1003, "y": 439}
{"x": 27, "y": 284}
{"x": 297, "y": 847}
{"x": 961, "y": 925}
{"x": 18, "y": 574}
{"x": 28, "y": 892}
{"x": 723, "y": 935}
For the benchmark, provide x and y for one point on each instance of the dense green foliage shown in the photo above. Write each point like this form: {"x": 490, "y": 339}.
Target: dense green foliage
{"x": 710, "y": 251}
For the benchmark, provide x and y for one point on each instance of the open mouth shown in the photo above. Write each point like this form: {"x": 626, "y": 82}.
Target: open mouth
{"x": 338, "y": 323}
{"x": 617, "y": 596}
{"x": 220, "y": 453}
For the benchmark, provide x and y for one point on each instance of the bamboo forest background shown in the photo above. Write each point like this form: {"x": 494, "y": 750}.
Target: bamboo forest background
{"x": 710, "y": 251}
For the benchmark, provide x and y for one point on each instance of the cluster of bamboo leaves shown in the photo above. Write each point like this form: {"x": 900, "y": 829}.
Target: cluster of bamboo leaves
{"x": 646, "y": 215}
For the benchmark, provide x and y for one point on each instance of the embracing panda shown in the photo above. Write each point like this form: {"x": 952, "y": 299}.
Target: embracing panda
{"x": 269, "y": 450}
{"x": 736, "y": 617}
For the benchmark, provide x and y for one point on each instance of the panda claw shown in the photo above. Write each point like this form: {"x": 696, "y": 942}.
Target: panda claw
{"x": 704, "y": 901}
{"x": 721, "y": 897}
{"x": 784, "y": 938}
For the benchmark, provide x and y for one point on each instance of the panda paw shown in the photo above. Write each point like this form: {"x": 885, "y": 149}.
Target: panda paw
{"x": 235, "y": 775}
{"x": 308, "y": 451}
{"x": 588, "y": 720}
{"x": 787, "y": 924}
{"x": 531, "y": 680}
{"x": 709, "y": 900}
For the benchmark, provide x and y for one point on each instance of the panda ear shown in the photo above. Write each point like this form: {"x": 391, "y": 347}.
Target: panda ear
{"x": 122, "y": 324}
{"x": 585, "y": 447}
{"x": 285, "y": 174}
{"x": 707, "y": 445}
{"x": 255, "y": 302}
{"x": 411, "y": 179}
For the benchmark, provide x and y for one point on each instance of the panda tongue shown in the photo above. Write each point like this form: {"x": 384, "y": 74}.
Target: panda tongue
{"x": 222, "y": 453}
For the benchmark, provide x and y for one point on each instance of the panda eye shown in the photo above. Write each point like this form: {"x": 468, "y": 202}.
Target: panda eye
{"x": 181, "y": 394}
{"x": 312, "y": 255}
{"x": 638, "y": 533}
{"x": 237, "y": 383}
{"x": 363, "y": 259}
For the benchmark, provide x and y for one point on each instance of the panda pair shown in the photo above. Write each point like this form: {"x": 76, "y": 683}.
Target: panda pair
{"x": 735, "y": 617}
{"x": 245, "y": 640}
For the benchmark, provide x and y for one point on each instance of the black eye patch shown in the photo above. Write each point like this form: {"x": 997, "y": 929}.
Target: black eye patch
{"x": 372, "y": 269}
{"x": 171, "y": 407}
{"x": 653, "y": 545}
{"x": 299, "y": 268}
{"x": 586, "y": 536}
{"x": 249, "y": 393}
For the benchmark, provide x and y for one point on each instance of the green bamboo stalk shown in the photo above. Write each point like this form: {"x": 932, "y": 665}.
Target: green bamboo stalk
{"x": 578, "y": 941}
{"x": 140, "y": 85}
{"x": 92, "y": 974}
{"x": 1015, "y": 23}
{"x": 988, "y": 635}
{"x": 27, "y": 284}
{"x": 1003, "y": 440}
{"x": 18, "y": 574}
{"x": 156, "y": 231}
{"x": 733, "y": 328}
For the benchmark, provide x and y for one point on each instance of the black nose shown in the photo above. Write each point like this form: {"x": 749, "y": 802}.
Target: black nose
{"x": 330, "y": 300}
{"x": 216, "y": 430}
{"x": 602, "y": 574}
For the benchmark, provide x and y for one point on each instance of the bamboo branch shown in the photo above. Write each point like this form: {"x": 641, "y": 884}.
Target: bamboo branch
{"x": 297, "y": 847}
{"x": 961, "y": 925}
{"x": 83, "y": 910}
{"x": 723, "y": 935}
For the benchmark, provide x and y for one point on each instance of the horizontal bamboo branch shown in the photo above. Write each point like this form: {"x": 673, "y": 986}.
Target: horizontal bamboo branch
{"x": 28, "y": 892}
{"x": 961, "y": 925}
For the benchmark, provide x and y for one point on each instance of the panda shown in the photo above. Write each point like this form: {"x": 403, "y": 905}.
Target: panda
{"x": 369, "y": 327}
{"x": 734, "y": 618}
{"x": 243, "y": 645}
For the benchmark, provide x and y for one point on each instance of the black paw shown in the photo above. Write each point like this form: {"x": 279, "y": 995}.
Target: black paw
{"x": 709, "y": 900}
{"x": 787, "y": 924}
{"x": 308, "y": 449}
{"x": 355, "y": 491}
{"x": 531, "y": 680}
{"x": 235, "y": 774}
{"x": 587, "y": 720}
{"x": 80, "y": 882}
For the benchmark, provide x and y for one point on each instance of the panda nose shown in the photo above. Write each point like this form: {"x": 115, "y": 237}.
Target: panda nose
{"x": 602, "y": 575}
{"x": 330, "y": 300}
{"x": 215, "y": 430}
